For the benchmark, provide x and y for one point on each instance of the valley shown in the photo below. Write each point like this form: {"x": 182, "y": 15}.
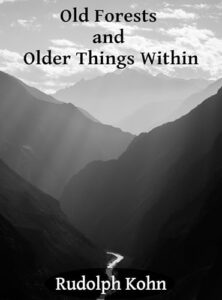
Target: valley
{"x": 134, "y": 195}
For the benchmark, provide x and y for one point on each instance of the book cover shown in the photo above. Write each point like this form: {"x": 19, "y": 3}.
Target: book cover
{"x": 110, "y": 149}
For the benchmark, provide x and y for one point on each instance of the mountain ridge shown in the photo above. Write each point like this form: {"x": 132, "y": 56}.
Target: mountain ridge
{"x": 133, "y": 183}
{"x": 37, "y": 240}
{"x": 115, "y": 96}
{"x": 48, "y": 142}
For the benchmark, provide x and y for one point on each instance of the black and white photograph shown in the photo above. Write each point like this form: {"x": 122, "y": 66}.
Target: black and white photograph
{"x": 110, "y": 149}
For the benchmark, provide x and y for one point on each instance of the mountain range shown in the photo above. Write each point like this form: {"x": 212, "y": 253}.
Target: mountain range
{"x": 47, "y": 141}
{"x": 155, "y": 198}
{"x": 133, "y": 100}
{"x": 117, "y": 193}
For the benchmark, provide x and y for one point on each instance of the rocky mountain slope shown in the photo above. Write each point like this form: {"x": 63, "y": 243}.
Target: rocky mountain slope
{"x": 48, "y": 142}
{"x": 37, "y": 240}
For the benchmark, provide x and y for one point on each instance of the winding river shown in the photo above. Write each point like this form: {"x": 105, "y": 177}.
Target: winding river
{"x": 112, "y": 263}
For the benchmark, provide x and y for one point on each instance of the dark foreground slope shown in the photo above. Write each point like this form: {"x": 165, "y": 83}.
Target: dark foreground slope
{"x": 187, "y": 226}
{"x": 48, "y": 142}
{"x": 17, "y": 262}
{"x": 37, "y": 241}
{"x": 115, "y": 195}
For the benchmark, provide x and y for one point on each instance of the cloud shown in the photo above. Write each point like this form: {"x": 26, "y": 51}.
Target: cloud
{"x": 188, "y": 32}
{"x": 29, "y": 24}
{"x": 115, "y": 27}
{"x": 63, "y": 43}
{"x": 219, "y": 5}
{"x": 50, "y": 1}
{"x": 3, "y": 1}
{"x": 202, "y": 41}
{"x": 56, "y": 16}
{"x": 11, "y": 61}
{"x": 90, "y": 24}
{"x": 197, "y": 6}
{"x": 134, "y": 5}
{"x": 193, "y": 40}
{"x": 11, "y": 1}
{"x": 169, "y": 13}
{"x": 57, "y": 71}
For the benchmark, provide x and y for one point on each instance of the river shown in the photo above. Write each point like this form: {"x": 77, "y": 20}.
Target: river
{"x": 112, "y": 263}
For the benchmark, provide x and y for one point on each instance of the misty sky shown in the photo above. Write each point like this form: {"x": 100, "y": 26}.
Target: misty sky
{"x": 27, "y": 25}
